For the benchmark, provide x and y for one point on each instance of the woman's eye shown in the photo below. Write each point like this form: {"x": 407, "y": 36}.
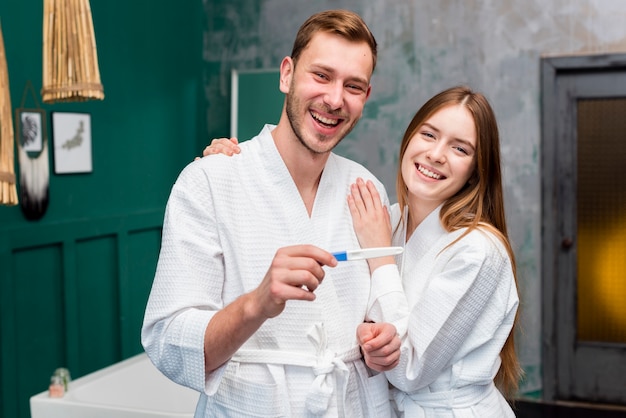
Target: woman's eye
{"x": 462, "y": 150}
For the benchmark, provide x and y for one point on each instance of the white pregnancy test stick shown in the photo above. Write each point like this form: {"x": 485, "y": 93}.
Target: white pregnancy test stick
{"x": 363, "y": 253}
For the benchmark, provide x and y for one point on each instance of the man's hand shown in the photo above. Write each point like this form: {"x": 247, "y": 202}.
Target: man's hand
{"x": 295, "y": 273}
{"x": 380, "y": 345}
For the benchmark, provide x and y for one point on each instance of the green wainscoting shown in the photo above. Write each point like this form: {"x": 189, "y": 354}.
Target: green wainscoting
{"x": 73, "y": 284}
{"x": 73, "y": 295}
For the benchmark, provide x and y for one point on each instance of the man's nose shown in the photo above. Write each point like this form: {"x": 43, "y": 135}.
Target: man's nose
{"x": 334, "y": 95}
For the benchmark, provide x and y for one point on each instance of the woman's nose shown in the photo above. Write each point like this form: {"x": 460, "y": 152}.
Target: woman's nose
{"x": 437, "y": 152}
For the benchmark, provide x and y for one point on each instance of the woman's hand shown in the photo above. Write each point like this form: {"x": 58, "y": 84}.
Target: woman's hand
{"x": 226, "y": 146}
{"x": 370, "y": 217}
{"x": 380, "y": 345}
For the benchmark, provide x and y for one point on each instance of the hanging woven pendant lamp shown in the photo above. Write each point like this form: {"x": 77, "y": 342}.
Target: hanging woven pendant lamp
{"x": 8, "y": 189}
{"x": 70, "y": 61}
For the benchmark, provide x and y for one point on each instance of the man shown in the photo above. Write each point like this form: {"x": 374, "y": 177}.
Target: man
{"x": 258, "y": 325}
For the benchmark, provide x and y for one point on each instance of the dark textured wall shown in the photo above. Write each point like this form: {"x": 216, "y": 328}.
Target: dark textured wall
{"x": 424, "y": 47}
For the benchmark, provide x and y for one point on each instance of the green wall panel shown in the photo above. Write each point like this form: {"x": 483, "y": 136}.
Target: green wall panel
{"x": 138, "y": 281}
{"x": 98, "y": 307}
{"x": 39, "y": 342}
{"x": 256, "y": 100}
{"x": 73, "y": 295}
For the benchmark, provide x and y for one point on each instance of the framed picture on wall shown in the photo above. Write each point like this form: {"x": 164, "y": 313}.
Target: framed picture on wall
{"x": 71, "y": 134}
{"x": 30, "y": 129}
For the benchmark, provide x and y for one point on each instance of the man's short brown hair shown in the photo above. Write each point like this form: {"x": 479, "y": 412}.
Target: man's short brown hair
{"x": 344, "y": 23}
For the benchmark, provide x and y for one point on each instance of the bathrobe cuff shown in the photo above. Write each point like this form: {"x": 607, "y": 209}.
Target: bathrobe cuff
{"x": 387, "y": 299}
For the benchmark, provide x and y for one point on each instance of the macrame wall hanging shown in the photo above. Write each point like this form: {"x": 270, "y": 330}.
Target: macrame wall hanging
{"x": 8, "y": 189}
{"x": 32, "y": 150}
{"x": 70, "y": 61}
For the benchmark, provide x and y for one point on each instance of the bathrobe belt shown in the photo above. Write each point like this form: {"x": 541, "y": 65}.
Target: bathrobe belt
{"x": 329, "y": 368}
{"x": 413, "y": 404}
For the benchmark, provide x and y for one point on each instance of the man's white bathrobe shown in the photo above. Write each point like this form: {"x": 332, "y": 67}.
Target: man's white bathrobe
{"x": 463, "y": 301}
{"x": 225, "y": 219}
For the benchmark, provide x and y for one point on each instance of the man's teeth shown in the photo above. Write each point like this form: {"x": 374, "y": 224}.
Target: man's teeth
{"x": 428, "y": 173}
{"x": 324, "y": 120}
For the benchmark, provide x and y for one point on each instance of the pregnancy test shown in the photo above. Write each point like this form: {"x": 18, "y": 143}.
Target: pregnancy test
{"x": 363, "y": 253}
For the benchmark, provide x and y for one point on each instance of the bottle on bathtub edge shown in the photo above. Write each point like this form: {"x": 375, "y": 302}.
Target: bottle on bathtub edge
{"x": 57, "y": 388}
{"x": 65, "y": 377}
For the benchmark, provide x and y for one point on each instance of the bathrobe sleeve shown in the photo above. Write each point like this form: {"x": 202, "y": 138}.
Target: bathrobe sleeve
{"x": 463, "y": 303}
{"x": 187, "y": 285}
{"x": 388, "y": 302}
{"x": 387, "y": 299}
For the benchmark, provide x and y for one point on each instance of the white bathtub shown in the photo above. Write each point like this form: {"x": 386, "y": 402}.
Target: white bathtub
{"x": 133, "y": 388}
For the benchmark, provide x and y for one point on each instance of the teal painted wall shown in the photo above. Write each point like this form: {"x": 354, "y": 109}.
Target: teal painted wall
{"x": 248, "y": 116}
{"x": 147, "y": 127}
{"x": 73, "y": 284}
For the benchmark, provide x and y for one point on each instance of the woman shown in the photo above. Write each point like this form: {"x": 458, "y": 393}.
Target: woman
{"x": 458, "y": 268}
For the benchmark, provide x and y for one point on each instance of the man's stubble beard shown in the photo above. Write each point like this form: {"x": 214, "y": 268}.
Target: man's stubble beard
{"x": 292, "y": 105}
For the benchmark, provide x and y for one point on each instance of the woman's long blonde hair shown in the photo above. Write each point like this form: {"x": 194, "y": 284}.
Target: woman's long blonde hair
{"x": 479, "y": 203}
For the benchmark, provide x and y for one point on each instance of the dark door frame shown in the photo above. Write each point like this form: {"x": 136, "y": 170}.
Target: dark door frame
{"x": 556, "y": 224}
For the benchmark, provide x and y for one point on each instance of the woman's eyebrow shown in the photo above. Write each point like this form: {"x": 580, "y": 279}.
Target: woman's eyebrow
{"x": 465, "y": 142}
{"x": 428, "y": 125}
{"x": 461, "y": 140}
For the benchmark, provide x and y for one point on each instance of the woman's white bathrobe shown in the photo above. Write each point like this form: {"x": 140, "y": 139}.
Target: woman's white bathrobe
{"x": 463, "y": 301}
{"x": 225, "y": 219}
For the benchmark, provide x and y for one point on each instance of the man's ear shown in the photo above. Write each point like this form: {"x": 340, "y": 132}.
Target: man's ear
{"x": 287, "y": 68}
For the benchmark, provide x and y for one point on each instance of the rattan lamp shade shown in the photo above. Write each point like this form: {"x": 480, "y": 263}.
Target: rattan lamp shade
{"x": 70, "y": 60}
{"x": 8, "y": 189}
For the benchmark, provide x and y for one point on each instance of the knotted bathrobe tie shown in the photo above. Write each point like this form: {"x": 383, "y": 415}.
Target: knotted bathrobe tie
{"x": 329, "y": 367}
